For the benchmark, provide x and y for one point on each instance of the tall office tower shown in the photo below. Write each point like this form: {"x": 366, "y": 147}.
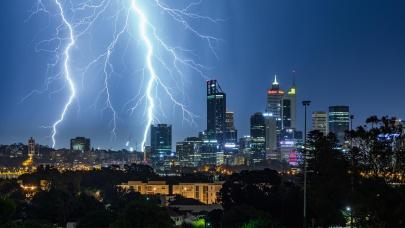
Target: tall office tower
{"x": 80, "y": 144}
{"x": 188, "y": 151}
{"x": 216, "y": 109}
{"x": 231, "y": 134}
{"x": 275, "y": 104}
{"x": 31, "y": 147}
{"x": 290, "y": 107}
{"x": 244, "y": 144}
{"x": 339, "y": 121}
{"x": 210, "y": 154}
{"x": 271, "y": 136}
{"x": 258, "y": 137}
{"x": 160, "y": 142}
{"x": 320, "y": 122}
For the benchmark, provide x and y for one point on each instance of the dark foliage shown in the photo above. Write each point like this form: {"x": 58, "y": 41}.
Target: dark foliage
{"x": 266, "y": 193}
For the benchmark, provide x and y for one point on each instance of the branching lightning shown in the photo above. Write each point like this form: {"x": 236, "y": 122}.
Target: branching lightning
{"x": 152, "y": 80}
{"x": 159, "y": 56}
{"x": 66, "y": 73}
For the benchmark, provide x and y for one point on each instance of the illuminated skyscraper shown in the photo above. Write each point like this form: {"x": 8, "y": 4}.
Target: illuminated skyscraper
{"x": 216, "y": 109}
{"x": 320, "y": 122}
{"x": 80, "y": 144}
{"x": 258, "y": 137}
{"x": 275, "y": 103}
{"x": 188, "y": 152}
{"x": 230, "y": 131}
{"x": 339, "y": 121}
{"x": 160, "y": 141}
{"x": 271, "y": 136}
{"x": 289, "y": 108}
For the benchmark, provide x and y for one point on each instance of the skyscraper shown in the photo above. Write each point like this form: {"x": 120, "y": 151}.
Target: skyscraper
{"x": 188, "y": 151}
{"x": 258, "y": 137}
{"x": 339, "y": 121}
{"x": 216, "y": 109}
{"x": 275, "y": 103}
{"x": 230, "y": 131}
{"x": 160, "y": 141}
{"x": 289, "y": 108}
{"x": 80, "y": 144}
{"x": 271, "y": 136}
{"x": 320, "y": 122}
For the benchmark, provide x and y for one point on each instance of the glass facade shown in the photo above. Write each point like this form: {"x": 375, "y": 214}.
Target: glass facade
{"x": 161, "y": 142}
{"x": 216, "y": 111}
{"x": 80, "y": 144}
{"x": 339, "y": 121}
{"x": 258, "y": 137}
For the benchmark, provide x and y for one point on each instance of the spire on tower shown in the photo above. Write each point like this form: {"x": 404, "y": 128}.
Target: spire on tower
{"x": 293, "y": 72}
{"x": 275, "y": 80}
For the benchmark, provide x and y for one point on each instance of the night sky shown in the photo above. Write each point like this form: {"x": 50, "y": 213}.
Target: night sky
{"x": 344, "y": 52}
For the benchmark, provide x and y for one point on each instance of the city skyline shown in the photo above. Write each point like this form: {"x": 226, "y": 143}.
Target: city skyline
{"x": 327, "y": 71}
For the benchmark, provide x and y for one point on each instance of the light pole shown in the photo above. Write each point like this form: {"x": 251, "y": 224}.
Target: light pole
{"x": 351, "y": 122}
{"x": 352, "y": 172}
{"x": 305, "y": 103}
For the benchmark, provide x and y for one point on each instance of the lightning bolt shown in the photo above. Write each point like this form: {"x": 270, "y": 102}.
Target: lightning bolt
{"x": 66, "y": 73}
{"x": 152, "y": 79}
{"x": 178, "y": 15}
{"x": 158, "y": 55}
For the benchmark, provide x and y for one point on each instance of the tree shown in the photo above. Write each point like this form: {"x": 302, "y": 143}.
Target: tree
{"x": 245, "y": 216}
{"x": 97, "y": 218}
{"x": 264, "y": 191}
{"x": 55, "y": 206}
{"x": 85, "y": 204}
{"x": 214, "y": 217}
{"x": 7, "y": 210}
{"x": 143, "y": 214}
{"x": 327, "y": 176}
{"x": 377, "y": 156}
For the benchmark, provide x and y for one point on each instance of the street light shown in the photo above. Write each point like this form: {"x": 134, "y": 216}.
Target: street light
{"x": 352, "y": 173}
{"x": 305, "y": 103}
{"x": 351, "y": 122}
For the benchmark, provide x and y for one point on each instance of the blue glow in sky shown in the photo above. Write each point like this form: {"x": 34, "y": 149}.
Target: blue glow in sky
{"x": 343, "y": 52}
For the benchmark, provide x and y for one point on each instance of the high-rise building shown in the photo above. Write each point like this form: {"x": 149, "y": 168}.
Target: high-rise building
{"x": 216, "y": 112}
{"x": 211, "y": 154}
{"x": 289, "y": 108}
{"x": 31, "y": 147}
{"x": 275, "y": 103}
{"x": 271, "y": 136}
{"x": 188, "y": 151}
{"x": 320, "y": 122}
{"x": 244, "y": 144}
{"x": 288, "y": 144}
{"x": 258, "y": 137}
{"x": 160, "y": 142}
{"x": 80, "y": 144}
{"x": 339, "y": 121}
{"x": 231, "y": 133}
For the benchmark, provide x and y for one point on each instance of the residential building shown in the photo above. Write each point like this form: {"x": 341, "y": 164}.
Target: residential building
{"x": 147, "y": 188}
{"x": 204, "y": 192}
